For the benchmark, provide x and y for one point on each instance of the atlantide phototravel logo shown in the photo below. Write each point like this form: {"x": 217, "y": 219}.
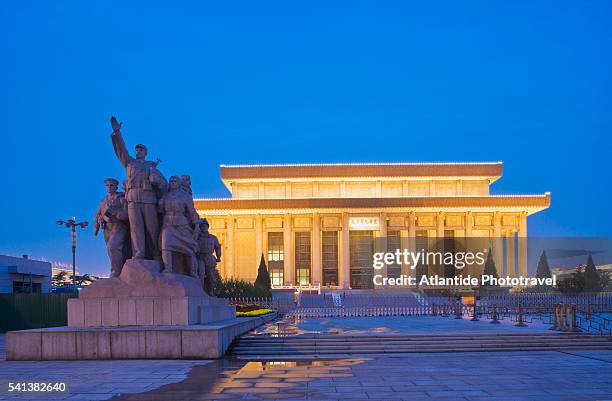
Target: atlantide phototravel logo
{"x": 458, "y": 261}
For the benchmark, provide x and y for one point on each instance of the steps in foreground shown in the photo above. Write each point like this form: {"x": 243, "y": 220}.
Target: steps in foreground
{"x": 265, "y": 347}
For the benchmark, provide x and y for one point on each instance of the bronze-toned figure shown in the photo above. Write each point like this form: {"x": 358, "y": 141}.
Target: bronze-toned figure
{"x": 112, "y": 218}
{"x": 209, "y": 254}
{"x": 180, "y": 229}
{"x": 143, "y": 185}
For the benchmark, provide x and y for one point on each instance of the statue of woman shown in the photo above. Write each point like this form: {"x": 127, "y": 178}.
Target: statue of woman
{"x": 180, "y": 229}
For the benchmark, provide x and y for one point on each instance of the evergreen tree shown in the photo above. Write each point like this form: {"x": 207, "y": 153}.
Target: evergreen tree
{"x": 591, "y": 276}
{"x": 219, "y": 289}
{"x": 263, "y": 277}
{"x": 489, "y": 268}
{"x": 543, "y": 270}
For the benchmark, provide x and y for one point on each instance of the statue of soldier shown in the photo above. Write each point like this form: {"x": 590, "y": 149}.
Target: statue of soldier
{"x": 180, "y": 230}
{"x": 186, "y": 185}
{"x": 143, "y": 186}
{"x": 112, "y": 218}
{"x": 209, "y": 254}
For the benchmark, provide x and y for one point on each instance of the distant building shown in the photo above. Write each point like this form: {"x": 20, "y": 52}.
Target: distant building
{"x": 317, "y": 224}
{"x": 22, "y": 275}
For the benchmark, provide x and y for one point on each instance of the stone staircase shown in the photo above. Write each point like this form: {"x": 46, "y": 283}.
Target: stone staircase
{"x": 254, "y": 347}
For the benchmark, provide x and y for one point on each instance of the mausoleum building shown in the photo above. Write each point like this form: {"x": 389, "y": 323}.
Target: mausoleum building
{"x": 319, "y": 224}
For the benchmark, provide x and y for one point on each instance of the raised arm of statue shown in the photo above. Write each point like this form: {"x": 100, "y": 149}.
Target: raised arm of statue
{"x": 118, "y": 143}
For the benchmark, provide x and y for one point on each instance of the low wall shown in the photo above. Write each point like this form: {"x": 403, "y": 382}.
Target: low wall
{"x": 206, "y": 341}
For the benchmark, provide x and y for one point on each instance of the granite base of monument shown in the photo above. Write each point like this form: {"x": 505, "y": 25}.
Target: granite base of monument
{"x": 207, "y": 341}
{"x": 142, "y": 314}
{"x": 143, "y": 296}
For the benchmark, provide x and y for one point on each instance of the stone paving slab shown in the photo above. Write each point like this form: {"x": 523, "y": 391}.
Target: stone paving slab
{"x": 454, "y": 376}
{"x": 499, "y": 376}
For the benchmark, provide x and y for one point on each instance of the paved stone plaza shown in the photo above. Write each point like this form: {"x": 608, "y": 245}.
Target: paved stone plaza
{"x": 507, "y": 376}
{"x": 398, "y": 325}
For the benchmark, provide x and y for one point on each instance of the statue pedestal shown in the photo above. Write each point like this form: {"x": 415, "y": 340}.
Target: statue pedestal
{"x": 200, "y": 341}
{"x": 142, "y": 296}
{"x": 143, "y": 314}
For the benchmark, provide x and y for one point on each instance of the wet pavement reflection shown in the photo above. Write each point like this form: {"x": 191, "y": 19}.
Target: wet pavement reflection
{"x": 292, "y": 326}
{"x": 497, "y": 376}
{"x": 228, "y": 379}
{"x": 388, "y": 325}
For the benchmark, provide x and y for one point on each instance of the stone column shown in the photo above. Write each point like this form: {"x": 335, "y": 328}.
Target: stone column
{"x": 522, "y": 245}
{"x": 469, "y": 226}
{"x": 258, "y": 239}
{"x": 411, "y": 241}
{"x": 497, "y": 244}
{"x": 344, "y": 272}
{"x": 382, "y": 241}
{"x": 317, "y": 272}
{"x": 439, "y": 268}
{"x": 288, "y": 270}
{"x": 228, "y": 259}
{"x": 510, "y": 264}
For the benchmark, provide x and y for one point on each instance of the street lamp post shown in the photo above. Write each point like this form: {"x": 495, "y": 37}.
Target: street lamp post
{"x": 72, "y": 225}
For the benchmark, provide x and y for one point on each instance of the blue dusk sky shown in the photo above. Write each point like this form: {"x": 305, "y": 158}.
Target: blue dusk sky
{"x": 210, "y": 83}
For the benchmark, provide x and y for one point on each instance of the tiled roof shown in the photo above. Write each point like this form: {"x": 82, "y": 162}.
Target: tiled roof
{"x": 538, "y": 201}
{"x": 362, "y": 170}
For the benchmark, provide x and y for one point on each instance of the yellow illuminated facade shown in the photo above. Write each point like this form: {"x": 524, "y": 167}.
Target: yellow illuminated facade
{"x": 319, "y": 224}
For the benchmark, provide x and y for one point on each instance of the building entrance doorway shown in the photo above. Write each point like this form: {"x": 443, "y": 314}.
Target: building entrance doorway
{"x": 361, "y": 248}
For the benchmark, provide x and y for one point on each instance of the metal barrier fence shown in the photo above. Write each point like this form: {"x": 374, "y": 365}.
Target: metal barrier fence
{"x": 359, "y": 311}
{"x": 571, "y": 312}
{"x": 31, "y": 311}
{"x": 587, "y": 303}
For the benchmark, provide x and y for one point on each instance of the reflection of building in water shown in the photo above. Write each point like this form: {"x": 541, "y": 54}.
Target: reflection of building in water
{"x": 320, "y": 224}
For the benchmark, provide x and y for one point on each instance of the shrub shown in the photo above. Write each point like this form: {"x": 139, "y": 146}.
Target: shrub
{"x": 232, "y": 288}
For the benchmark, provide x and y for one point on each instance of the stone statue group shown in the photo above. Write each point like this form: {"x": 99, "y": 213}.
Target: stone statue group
{"x": 154, "y": 219}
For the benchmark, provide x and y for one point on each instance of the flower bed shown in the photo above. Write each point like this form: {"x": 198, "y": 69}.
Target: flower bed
{"x": 256, "y": 312}
{"x": 250, "y": 310}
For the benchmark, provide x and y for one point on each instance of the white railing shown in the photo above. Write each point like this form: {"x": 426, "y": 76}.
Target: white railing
{"x": 299, "y": 288}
